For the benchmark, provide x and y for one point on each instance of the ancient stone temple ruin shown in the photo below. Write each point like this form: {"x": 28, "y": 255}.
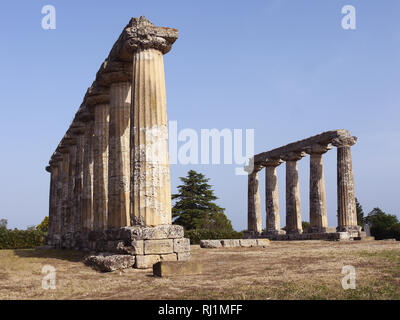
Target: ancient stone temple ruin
{"x": 110, "y": 180}
{"x": 315, "y": 147}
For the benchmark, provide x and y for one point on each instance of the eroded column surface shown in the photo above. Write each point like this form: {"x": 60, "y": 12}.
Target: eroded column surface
{"x": 100, "y": 187}
{"x": 150, "y": 175}
{"x": 293, "y": 208}
{"x": 119, "y": 159}
{"x": 64, "y": 193}
{"x": 318, "y": 214}
{"x": 53, "y": 169}
{"x": 59, "y": 199}
{"x": 347, "y": 215}
{"x": 78, "y": 189}
{"x": 254, "y": 221}
{"x": 272, "y": 197}
{"x": 71, "y": 196}
{"x": 87, "y": 195}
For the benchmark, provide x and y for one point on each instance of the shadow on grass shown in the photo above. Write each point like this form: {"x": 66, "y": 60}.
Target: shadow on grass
{"x": 68, "y": 255}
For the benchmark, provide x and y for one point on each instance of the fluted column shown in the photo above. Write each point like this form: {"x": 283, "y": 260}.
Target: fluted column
{"x": 347, "y": 214}
{"x": 293, "y": 208}
{"x": 87, "y": 195}
{"x": 53, "y": 169}
{"x": 318, "y": 214}
{"x": 101, "y": 146}
{"x": 119, "y": 159}
{"x": 59, "y": 199}
{"x": 78, "y": 189}
{"x": 71, "y": 185}
{"x": 64, "y": 193}
{"x": 272, "y": 196}
{"x": 150, "y": 175}
{"x": 254, "y": 220}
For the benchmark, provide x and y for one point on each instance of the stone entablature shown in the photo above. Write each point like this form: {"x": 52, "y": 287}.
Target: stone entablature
{"x": 315, "y": 147}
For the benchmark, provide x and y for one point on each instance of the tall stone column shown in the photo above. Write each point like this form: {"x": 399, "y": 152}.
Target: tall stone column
{"x": 119, "y": 159}
{"x": 150, "y": 175}
{"x": 293, "y": 208}
{"x": 318, "y": 215}
{"x": 59, "y": 201}
{"x": 53, "y": 169}
{"x": 64, "y": 191}
{"x": 101, "y": 147}
{"x": 78, "y": 188}
{"x": 87, "y": 195}
{"x": 347, "y": 214}
{"x": 272, "y": 196}
{"x": 254, "y": 221}
{"x": 71, "y": 207}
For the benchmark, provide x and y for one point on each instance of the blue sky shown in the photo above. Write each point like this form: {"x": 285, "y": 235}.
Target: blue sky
{"x": 284, "y": 68}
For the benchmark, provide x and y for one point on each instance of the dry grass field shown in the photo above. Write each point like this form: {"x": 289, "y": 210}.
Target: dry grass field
{"x": 284, "y": 270}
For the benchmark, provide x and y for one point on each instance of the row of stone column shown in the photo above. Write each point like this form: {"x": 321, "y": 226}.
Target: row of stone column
{"x": 113, "y": 170}
{"x": 347, "y": 216}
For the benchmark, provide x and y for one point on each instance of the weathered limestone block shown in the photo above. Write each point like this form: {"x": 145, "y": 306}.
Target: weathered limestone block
{"x": 230, "y": 243}
{"x": 152, "y": 233}
{"x": 158, "y": 246}
{"x": 166, "y": 269}
{"x": 108, "y": 262}
{"x": 146, "y": 261}
{"x": 210, "y": 244}
{"x": 168, "y": 257}
{"x": 183, "y": 256}
{"x": 263, "y": 242}
{"x": 182, "y": 245}
{"x": 248, "y": 243}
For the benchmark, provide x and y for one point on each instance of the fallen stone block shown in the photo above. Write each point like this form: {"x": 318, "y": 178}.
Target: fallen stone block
{"x": 210, "y": 244}
{"x": 230, "y": 243}
{"x": 263, "y": 242}
{"x": 177, "y": 268}
{"x": 248, "y": 243}
{"x": 168, "y": 257}
{"x": 107, "y": 262}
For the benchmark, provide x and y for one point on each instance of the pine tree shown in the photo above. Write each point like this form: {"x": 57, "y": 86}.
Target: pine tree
{"x": 360, "y": 214}
{"x": 195, "y": 207}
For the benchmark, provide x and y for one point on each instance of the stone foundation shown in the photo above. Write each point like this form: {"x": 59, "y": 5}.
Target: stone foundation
{"x": 148, "y": 245}
{"x": 234, "y": 243}
{"x": 330, "y": 236}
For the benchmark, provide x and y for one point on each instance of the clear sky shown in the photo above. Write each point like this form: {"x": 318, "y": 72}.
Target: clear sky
{"x": 285, "y": 68}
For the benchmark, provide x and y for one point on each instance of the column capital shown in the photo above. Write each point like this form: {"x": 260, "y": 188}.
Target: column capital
{"x": 341, "y": 142}
{"x": 253, "y": 168}
{"x": 97, "y": 93}
{"x": 293, "y": 156}
{"x": 140, "y": 33}
{"x": 272, "y": 162}
{"x": 112, "y": 71}
{"x": 317, "y": 149}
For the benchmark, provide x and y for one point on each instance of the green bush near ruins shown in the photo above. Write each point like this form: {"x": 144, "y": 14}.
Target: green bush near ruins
{"x": 203, "y": 234}
{"x": 30, "y": 238}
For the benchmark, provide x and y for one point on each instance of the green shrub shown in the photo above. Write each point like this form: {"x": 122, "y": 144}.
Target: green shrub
{"x": 203, "y": 234}
{"x": 394, "y": 231}
{"x": 21, "y": 239}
